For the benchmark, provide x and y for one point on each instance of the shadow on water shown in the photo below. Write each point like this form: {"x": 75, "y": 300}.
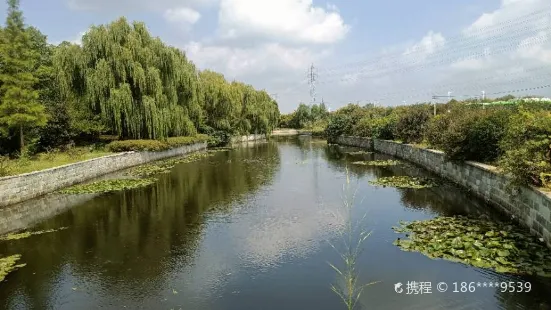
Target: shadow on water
{"x": 130, "y": 236}
{"x": 243, "y": 229}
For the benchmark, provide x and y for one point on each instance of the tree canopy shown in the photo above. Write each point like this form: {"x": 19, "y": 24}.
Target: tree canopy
{"x": 143, "y": 88}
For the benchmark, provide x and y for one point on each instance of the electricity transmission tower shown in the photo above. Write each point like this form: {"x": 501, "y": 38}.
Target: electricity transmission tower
{"x": 312, "y": 76}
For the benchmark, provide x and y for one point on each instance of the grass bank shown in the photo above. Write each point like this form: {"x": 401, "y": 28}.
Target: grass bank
{"x": 55, "y": 158}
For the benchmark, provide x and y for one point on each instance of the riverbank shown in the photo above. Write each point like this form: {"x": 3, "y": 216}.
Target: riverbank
{"x": 18, "y": 188}
{"x": 529, "y": 206}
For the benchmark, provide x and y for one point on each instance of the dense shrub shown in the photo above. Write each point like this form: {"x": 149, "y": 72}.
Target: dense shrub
{"x": 436, "y": 130}
{"x": 411, "y": 124}
{"x": 527, "y": 146}
{"x": 379, "y": 127}
{"x": 154, "y": 145}
{"x": 475, "y": 135}
{"x": 339, "y": 124}
{"x": 137, "y": 145}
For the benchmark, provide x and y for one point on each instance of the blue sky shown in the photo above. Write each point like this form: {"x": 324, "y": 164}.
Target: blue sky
{"x": 271, "y": 43}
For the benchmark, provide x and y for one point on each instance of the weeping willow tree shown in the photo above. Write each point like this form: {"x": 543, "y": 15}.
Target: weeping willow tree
{"x": 140, "y": 87}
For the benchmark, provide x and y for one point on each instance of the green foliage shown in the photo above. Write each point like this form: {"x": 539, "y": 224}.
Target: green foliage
{"x": 306, "y": 117}
{"x": 154, "y": 145}
{"x": 436, "y": 130}
{"x": 137, "y": 145}
{"x": 339, "y": 124}
{"x": 475, "y": 135}
{"x": 9, "y": 264}
{"x": 285, "y": 120}
{"x": 527, "y": 147}
{"x": 5, "y": 168}
{"x": 479, "y": 243}
{"x": 27, "y": 234}
{"x": 379, "y": 127}
{"x": 411, "y": 124}
{"x": 19, "y": 107}
{"x": 404, "y": 182}
{"x": 106, "y": 186}
{"x": 378, "y": 163}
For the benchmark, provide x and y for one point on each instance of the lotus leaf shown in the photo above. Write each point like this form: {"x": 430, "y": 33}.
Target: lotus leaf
{"x": 27, "y": 234}
{"x": 380, "y": 163}
{"x": 359, "y": 153}
{"x": 404, "y": 182}
{"x": 165, "y": 166}
{"x": 9, "y": 264}
{"x": 504, "y": 248}
{"x": 105, "y": 186}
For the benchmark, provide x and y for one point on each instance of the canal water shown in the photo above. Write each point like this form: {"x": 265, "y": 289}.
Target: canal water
{"x": 250, "y": 228}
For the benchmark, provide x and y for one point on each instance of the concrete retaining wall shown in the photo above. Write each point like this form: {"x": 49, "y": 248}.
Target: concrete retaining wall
{"x": 18, "y": 188}
{"x": 530, "y": 206}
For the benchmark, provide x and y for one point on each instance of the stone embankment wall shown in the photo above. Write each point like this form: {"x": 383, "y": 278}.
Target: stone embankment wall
{"x": 18, "y": 188}
{"x": 530, "y": 206}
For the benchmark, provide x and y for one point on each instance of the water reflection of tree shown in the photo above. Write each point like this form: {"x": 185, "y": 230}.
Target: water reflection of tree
{"x": 132, "y": 241}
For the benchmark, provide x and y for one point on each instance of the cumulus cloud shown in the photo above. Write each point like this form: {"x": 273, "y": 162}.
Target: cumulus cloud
{"x": 508, "y": 11}
{"x": 264, "y": 58}
{"x": 135, "y": 5}
{"x": 431, "y": 43}
{"x": 282, "y": 20}
{"x": 182, "y": 16}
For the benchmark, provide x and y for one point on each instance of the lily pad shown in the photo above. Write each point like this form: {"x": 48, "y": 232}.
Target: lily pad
{"x": 165, "y": 166}
{"x": 359, "y": 153}
{"x": 9, "y": 264}
{"x": 379, "y": 163}
{"x": 106, "y": 186}
{"x": 26, "y": 234}
{"x": 479, "y": 243}
{"x": 404, "y": 182}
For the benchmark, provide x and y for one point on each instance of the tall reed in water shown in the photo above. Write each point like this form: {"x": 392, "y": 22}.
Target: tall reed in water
{"x": 353, "y": 237}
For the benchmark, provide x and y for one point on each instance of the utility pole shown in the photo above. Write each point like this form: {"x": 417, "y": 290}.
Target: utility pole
{"x": 483, "y": 97}
{"x": 312, "y": 76}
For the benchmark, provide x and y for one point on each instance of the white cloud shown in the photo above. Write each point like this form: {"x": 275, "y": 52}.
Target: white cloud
{"x": 268, "y": 58}
{"x": 78, "y": 39}
{"x": 500, "y": 19}
{"x": 182, "y": 16}
{"x": 533, "y": 48}
{"x": 283, "y": 20}
{"x": 135, "y": 5}
{"x": 431, "y": 43}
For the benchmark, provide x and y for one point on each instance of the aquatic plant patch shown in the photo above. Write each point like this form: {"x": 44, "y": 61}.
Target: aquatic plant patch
{"x": 106, "y": 186}
{"x": 26, "y": 234}
{"x": 9, "y": 264}
{"x": 165, "y": 166}
{"x": 359, "y": 153}
{"x": 480, "y": 243}
{"x": 404, "y": 182}
{"x": 379, "y": 163}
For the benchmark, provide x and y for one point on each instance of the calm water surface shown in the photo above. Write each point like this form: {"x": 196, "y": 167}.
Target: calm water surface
{"x": 248, "y": 229}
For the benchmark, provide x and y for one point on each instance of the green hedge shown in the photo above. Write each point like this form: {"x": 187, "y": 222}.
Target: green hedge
{"x": 517, "y": 137}
{"x": 154, "y": 145}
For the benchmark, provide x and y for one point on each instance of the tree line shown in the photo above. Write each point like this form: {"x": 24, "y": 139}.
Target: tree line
{"x": 120, "y": 81}
{"x": 305, "y": 116}
{"x": 516, "y": 138}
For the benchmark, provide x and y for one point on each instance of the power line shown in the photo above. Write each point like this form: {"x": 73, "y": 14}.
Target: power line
{"x": 481, "y": 33}
{"x": 433, "y": 61}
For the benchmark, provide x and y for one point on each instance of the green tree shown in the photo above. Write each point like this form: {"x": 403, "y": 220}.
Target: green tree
{"x": 20, "y": 107}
